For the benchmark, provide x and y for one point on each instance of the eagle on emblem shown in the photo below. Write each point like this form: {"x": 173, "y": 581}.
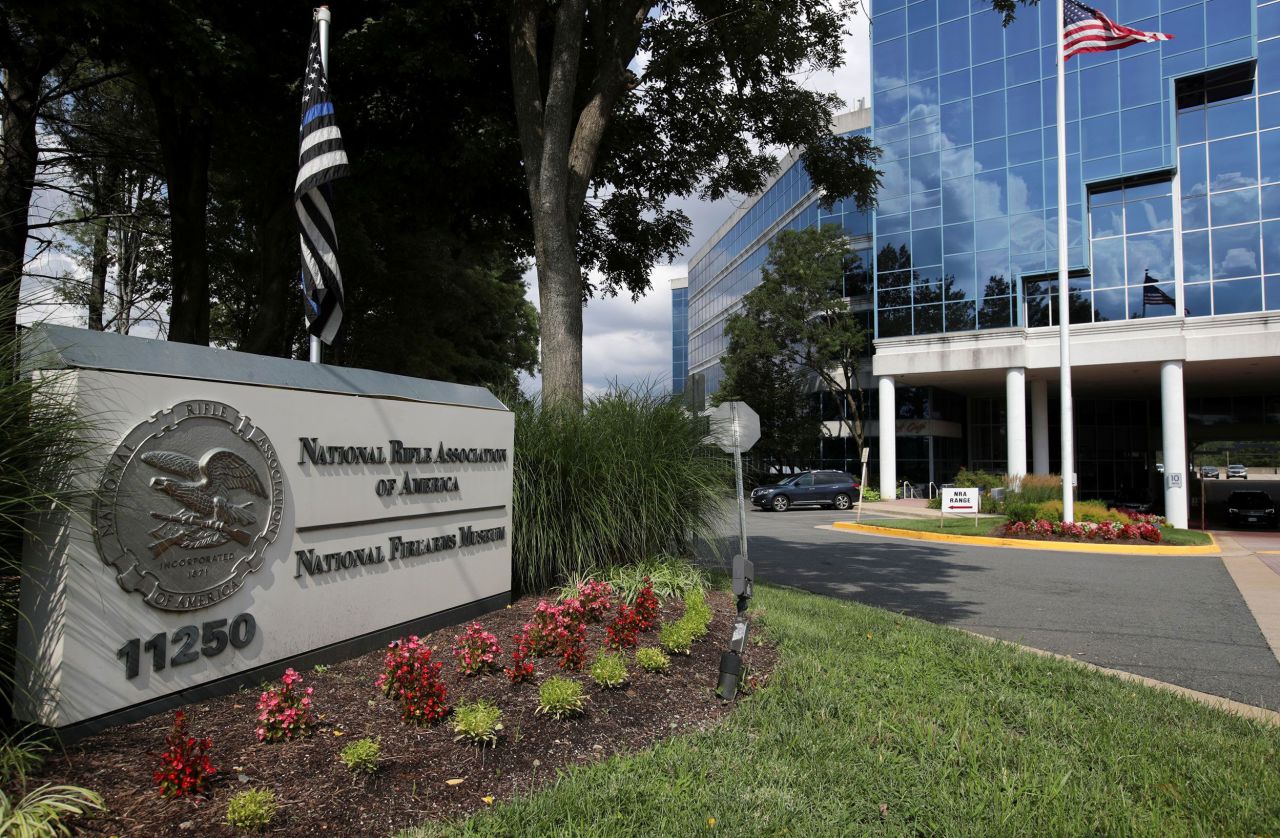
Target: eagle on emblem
{"x": 210, "y": 518}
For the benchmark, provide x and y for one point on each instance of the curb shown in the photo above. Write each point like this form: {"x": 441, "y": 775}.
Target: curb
{"x": 1025, "y": 544}
{"x": 1227, "y": 705}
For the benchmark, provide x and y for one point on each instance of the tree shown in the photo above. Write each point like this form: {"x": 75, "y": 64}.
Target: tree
{"x": 790, "y": 423}
{"x": 106, "y": 157}
{"x": 794, "y": 318}
{"x": 631, "y": 102}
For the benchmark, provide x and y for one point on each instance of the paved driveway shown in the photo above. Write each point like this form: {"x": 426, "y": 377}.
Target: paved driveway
{"x": 1177, "y": 619}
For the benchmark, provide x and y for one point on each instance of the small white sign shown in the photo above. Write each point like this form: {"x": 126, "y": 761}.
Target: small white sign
{"x": 960, "y": 500}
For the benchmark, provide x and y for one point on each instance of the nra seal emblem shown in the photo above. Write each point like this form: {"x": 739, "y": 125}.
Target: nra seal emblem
{"x": 188, "y": 504}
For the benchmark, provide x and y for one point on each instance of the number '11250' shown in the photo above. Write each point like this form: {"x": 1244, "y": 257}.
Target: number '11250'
{"x": 209, "y": 639}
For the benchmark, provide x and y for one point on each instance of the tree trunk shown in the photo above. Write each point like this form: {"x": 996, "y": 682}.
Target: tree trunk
{"x": 560, "y": 299}
{"x": 105, "y": 204}
{"x": 277, "y": 274}
{"x": 185, "y": 136}
{"x": 19, "y": 155}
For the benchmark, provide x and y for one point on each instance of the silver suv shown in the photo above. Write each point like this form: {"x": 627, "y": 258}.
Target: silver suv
{"x": 1237, "y": 471}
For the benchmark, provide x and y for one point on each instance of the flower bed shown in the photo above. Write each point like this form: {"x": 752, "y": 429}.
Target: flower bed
{"x": 420, "y": 772}
{"x": 1137, "y": 531}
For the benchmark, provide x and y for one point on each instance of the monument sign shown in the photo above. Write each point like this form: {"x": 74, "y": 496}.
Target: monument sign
{"x": 243, "y": 513}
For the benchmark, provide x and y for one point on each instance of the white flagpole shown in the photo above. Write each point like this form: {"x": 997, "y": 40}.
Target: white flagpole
{"x": 321, "y": 15}
{"x": 1064, "y": 300}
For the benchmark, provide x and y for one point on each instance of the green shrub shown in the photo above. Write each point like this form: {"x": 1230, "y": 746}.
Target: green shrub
{"x": 561, "y": 698}
{"x": 697, "y": 614}
{"x": 671, "y": 577}
{"x": 1038, "y": 488}
{"x": 1019, "y": 510}
{"x": 984, "y": 480}
{"x": 870, "y": 495}
{"x": 251, "y": 809}
{"x": 609, "y": 670}
{"x": 1085, "y": 510}
{"x": 676, "y": 638}
{"x": 652, "y": 660}
{"x": 361, "y": 756}
{"x": 628, "y": 475}
{"x": 39, "y": 812}
{"x": 477, "y": 723}
{"x": 935, "y": 502}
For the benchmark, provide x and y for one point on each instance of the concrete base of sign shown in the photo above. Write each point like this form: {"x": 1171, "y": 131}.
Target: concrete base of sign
{"x": 241, "y": 514}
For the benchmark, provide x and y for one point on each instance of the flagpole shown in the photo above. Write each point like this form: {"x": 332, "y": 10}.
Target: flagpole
{"x": 1064, "y": 300}
{"x": 322, "y": 17}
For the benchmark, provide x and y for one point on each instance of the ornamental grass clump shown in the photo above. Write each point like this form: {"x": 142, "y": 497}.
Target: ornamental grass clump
{"x": 185, "y": 767}
{"x": 252, "y": 810}
{"x": 652, "y": 660}
{"x": 664, "y": 576}
{"x": 609, "y": 670}
{"x": 626, "y": 475}
{"x": 477, "y": 723}
{"x": 412, "y": 680}
{"x": 476, "y": 650}
{"x": 361, "y": 756}
{"x": 561, "y": 698}
{"x": 284, "y": 709}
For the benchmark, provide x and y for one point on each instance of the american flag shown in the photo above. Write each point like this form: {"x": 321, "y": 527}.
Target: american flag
{"x": 321, "y": 159}
{"x": 1152, "y": 294}
{"x": 1089, "y": 30}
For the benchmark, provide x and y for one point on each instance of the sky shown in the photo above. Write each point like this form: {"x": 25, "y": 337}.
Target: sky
{"x": 630, "y": 343}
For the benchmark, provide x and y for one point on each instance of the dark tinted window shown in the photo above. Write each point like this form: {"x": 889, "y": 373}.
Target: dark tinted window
{"x": 803, "y": 480}
{"x": 827, "y": 478}
{"x": 1249, "y": 499}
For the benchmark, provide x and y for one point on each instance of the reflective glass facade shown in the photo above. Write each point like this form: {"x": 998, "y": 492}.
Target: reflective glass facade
{"x": 729, "y": 266}
{"x": 679, "y": 337}
{"x": 1168, "y": 144}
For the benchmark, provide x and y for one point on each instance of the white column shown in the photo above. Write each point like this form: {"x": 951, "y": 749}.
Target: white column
{"x": 1174, "y": 428}
{"x": 1040, "y": 426}
{"x": 1015, "y": 390}
{"x": 888, "y": 438}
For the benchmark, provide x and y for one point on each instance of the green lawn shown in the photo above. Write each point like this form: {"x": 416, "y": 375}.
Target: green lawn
{"x": 951, "y": 524}
{"x": 987, "y": 523}
{"x": 879, "y": 724}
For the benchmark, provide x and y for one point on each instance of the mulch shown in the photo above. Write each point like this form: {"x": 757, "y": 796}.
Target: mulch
{"x": 318, "y": 795}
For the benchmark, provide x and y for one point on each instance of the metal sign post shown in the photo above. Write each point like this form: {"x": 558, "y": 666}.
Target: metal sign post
{"x": 862, "y": 484}
{"x": 735, "y": 427}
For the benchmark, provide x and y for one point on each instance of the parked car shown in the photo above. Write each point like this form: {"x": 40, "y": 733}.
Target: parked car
{"x": 1237, "y": 471}
{"x": 1209, "y": 472}
{"x": 1251, "y": 507}
{"x": 837, "y": 489}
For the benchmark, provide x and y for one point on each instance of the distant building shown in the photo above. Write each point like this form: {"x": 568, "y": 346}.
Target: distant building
{"x": 679, "y": 333}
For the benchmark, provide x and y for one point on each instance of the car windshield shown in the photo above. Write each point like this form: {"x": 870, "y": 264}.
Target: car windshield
{"x": 1249, "y": 499}
{"x": 793, "y": 478}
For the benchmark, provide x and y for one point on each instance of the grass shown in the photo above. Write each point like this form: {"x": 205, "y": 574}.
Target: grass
{"x": 984, "y": 525}
{"x": 1170, "y": 537}
{"x": 879, "y": 724}
{"x": 628, "y": 475}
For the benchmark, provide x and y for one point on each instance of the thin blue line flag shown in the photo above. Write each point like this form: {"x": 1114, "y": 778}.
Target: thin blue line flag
{"x": 321, "y": 159}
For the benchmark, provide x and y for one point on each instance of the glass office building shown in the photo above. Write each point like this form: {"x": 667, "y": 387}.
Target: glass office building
{"x": 1172, "y": 150}
{"x": 679, "y": 333}
{"x": 728, "y": 265}
{"x": 1173, "y": 205}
